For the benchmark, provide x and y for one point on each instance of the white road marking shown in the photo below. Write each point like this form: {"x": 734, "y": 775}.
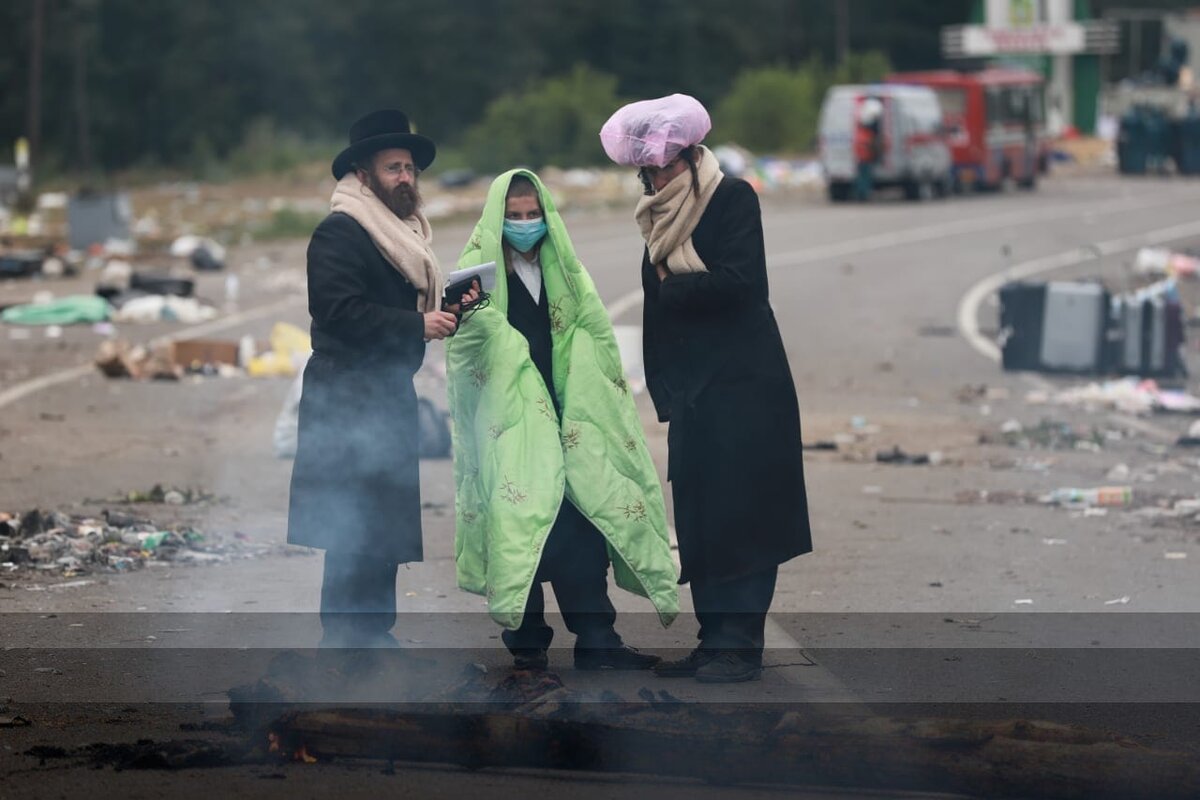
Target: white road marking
{"x": 795, "y": 258}
{"x": 968, "y": 307}
{"x": 22, "y": 390}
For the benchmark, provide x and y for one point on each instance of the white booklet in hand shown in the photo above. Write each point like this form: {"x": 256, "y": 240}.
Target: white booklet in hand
{"x": 458, "y": 282}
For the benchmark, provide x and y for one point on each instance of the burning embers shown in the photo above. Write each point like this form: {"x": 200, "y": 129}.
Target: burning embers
{"x": 299, "y": 754}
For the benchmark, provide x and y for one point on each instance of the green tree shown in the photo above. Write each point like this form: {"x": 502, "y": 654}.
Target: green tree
{"x": 553, "y": 122}
{"x": 772, "y": 109}
{"x": 867, "y": 67}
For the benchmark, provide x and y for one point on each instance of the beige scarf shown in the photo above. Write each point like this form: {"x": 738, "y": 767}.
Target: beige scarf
{"x": 406, "y": 243}
{"x": 668, "y": 217}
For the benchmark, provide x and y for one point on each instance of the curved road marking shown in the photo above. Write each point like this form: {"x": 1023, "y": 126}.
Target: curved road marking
{"x": 968, "y": 307}
{"x": 631, "y": 300}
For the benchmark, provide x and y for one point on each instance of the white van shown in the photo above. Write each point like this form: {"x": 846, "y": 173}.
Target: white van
{"x": 916, "y": 156}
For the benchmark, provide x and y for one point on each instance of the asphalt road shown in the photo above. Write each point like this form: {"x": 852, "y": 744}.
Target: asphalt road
{"x": 870, "y": 303}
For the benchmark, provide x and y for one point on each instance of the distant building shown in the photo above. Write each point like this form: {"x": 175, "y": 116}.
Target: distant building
{"x": 1058, "y": 38}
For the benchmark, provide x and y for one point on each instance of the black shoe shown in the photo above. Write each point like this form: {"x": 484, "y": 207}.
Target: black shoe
{"x": 533, "y": 660}
{"x": 622, "y": 658}
{"x": 685, "y": 667}
{"x": 729, "y": 667}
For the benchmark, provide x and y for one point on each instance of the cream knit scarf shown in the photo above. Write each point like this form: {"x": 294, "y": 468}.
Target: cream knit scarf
{"x": 668, "y": 217}
{"x": 405, "y": 243}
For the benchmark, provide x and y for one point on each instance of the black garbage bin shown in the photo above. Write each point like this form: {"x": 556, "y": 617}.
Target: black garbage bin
{"x": 1187, "y": 145}
{"x": 1131, "y": 144}
{"x": 1158, "y": 139}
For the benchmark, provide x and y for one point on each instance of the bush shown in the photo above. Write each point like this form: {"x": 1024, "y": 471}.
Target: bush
{"x": 771, "y": 109}
{"x": 266, "y": 149}
{"x": 867, "y": 67}
{"x": 776, "y": 109}
{"x": 555, "y": 121}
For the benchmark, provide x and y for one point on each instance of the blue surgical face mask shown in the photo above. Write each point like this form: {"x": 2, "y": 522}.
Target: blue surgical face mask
{"x": 523, "y": 234}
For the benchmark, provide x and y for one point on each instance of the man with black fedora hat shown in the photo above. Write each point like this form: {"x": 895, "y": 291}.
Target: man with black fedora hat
{"x": 375, "y": 296}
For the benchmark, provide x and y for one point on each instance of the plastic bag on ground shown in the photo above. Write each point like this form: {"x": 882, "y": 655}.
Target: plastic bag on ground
{"x": 287, "y": 424}
{"x": 65, "y": 311}
{"x": 290, "y": 348}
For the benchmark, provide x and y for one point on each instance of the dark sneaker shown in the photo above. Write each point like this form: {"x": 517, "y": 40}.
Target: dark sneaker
{"x": 622, "y": 658}
{"x": 685, "y": 667}
{"x": 729, "y": 668}
{"x": 533, "y": 660}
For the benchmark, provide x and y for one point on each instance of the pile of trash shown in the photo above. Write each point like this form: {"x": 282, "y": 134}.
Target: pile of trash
{"x": 1162, "y": 262}
{"x": 1128, "y": 395}
{"x": 284, "y": 355}
{"x": 1049, "y": 434}
{"x": 55, "y": 542}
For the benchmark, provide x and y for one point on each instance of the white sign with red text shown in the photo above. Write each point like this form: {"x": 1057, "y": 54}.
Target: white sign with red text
{"x": 980, "y": 40}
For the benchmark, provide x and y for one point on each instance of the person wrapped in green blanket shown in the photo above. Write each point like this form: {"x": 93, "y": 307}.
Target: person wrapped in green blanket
{"x": 553, "y": 477}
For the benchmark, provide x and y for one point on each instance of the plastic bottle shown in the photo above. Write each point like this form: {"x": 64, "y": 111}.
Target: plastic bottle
{"x": 1102, "y": 496}
{"x": 231, "y": 292}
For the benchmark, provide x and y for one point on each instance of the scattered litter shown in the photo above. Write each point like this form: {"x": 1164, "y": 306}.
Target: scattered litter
{"x": 290, "y": 349}
{"x": 205, "y": 254}
{"x": 1175, "y": 556}
{"x": 1103, "y": 496}
{"x": 69, "y": 545}
{"x": 1128, "y": 395}
{"x": 66, "y": 311}
{"x": 1160, "y": 261}
{"x": 1120, "y": 601}
{"x": 1192, "y": 437}
{"x": 1025, "y": 601}
{"x": 169, "y": 308}
{"x": 1053, "y": 542}
{"x": 156, "y": 494}
{"x": 898, "y": 456}
{"x": 1091, "y": 512}
{"x": 1048, "y": 434}
{"x": 1120, "y": 472}
{"x": 975, "y": 392}
{"x": 992, "y": 497}
{"x": 22, "y": 264}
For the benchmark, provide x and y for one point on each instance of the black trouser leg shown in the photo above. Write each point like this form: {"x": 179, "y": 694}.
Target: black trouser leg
{"x": 534, "y": 634}
{"x": 580, "y": 580}
{"x": 733, "y": 614}
{"x": 575, "y": 562}
{"x": 358, "y": 601}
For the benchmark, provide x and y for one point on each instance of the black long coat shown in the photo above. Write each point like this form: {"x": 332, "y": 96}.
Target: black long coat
{"x": 355, "y": 482}
{"x": 717, "y": 371}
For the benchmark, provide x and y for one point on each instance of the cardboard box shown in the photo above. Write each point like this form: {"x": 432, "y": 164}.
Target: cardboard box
{"x": 192, "y": 352}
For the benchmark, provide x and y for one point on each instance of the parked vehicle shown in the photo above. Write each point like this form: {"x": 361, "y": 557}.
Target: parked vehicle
{"x": 912, "y": 150}
{"x": 996, "y": 120}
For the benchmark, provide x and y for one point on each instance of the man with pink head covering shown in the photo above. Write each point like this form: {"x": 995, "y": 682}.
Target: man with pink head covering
{"x": 718, "y": 373}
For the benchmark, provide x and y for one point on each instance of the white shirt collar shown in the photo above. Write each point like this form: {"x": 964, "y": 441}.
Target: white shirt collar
{"x": 529, "y": 270}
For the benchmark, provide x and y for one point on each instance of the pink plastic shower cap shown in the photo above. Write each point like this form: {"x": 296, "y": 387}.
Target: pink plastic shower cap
{"x": 652, "y": 132}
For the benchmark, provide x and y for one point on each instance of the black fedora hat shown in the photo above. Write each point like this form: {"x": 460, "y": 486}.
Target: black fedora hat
{"x": 381, "y": 130}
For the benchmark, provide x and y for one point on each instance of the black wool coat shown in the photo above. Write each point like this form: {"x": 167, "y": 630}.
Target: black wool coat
{"x": 355, "y": 483}
{"x": 717, "y": 371}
